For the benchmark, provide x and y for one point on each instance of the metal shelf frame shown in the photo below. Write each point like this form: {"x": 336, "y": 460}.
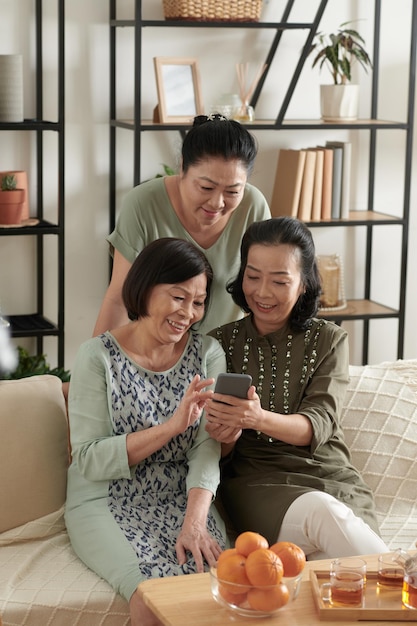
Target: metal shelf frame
{"x": 36, "y": 324}
{"x": 365, "y": 310}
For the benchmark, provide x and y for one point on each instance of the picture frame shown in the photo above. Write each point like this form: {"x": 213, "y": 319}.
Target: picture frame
{"x": 179, "y": 89}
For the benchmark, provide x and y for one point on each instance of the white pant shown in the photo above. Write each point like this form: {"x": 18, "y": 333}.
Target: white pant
{"x": 326, "y": 528}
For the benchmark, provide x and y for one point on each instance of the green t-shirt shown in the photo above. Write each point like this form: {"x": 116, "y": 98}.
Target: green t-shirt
{"x": 147, "y": 214}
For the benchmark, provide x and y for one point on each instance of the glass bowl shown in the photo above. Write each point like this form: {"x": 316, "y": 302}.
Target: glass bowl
{"x": 235, "y": 597}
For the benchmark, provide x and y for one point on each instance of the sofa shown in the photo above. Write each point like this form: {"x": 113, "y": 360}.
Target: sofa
{"x": 42, "y": 582}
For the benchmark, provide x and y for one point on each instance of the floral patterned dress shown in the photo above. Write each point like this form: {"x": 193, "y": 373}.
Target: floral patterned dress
{"x": 142, "y": 506}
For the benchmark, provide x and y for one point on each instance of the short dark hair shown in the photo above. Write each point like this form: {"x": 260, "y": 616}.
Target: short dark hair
{"x": 273, "y": 232}
{"x": 217, "y": 136}
{"x": 166, "y": 261}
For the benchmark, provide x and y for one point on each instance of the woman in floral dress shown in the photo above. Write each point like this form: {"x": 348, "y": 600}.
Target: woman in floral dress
{"x": 144, "y": 470}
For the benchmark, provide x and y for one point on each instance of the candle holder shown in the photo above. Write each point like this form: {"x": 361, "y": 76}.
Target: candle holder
{"x": 330, "y": 268}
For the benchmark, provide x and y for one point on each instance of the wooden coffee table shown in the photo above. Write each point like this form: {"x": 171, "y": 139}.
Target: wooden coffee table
{"x": 187, "y": 601}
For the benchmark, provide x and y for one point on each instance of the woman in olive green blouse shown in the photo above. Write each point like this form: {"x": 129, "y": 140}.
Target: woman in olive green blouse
{"x": 287, "y": 472}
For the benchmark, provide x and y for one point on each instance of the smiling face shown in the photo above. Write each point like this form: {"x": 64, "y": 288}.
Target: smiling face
{"x": 211, "y": 190}
{"x": 172, "y": 309}
{"x": 272, "y": 284}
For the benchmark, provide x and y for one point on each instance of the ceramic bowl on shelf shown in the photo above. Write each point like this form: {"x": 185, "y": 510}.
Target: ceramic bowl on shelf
{"x": 242, "y": 599}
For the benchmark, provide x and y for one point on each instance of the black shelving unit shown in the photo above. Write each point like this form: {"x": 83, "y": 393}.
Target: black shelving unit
{"x": 35, "y": 324}
{"x": 364, "y": 309}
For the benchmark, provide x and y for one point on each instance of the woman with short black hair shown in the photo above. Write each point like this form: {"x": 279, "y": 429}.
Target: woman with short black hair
{"x": 144, "y": 471}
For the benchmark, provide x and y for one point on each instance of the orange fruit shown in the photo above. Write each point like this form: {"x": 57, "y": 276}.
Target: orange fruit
{"x": 268, "y": 599}
{"x": 249, "y": 541}
{"x": 233, "y": 598}
{"x": 264, "y": 567}
{"x": 225, "y": 554}
{"x": 292, "y": 557}
{"x": 232, "y": 570}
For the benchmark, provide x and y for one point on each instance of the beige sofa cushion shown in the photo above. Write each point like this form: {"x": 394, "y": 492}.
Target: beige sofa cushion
{"x": 33, "y": 450}
{"x": 380, "y": 424}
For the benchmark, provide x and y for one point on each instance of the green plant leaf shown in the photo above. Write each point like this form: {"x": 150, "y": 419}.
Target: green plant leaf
{"x": 338, "y": 50}
{"x": 168, "y": 171}
{"x": 8, "y": 182}
{"x": 35, "y": 365}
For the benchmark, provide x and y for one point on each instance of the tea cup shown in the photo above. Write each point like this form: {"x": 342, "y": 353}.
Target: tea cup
{"x": 347, "y": 582}
{"x": 390, "y": 573}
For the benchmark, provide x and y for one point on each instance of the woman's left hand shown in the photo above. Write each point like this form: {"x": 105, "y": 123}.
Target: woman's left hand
{"x": 227, "y": 416}
{"x": 223, "y": 434}
{"x": 234, "y": 413}
{"x": 200, "y": 543}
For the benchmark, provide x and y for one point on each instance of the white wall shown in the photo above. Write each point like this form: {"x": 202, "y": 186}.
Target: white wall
{"x": 217, "y": 51}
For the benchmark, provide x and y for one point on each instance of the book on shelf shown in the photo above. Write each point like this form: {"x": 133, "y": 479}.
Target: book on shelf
{"x": 288, "y": 180}
{"x": 326, "y": 196}
{"x": 336, "y": 179}
{"x": 318, "y": 186}
{"x": 307, "y": 186}
{"x": 346, "y": 147}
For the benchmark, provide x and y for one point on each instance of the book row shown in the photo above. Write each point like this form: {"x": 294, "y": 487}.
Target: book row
{"x": 313, "y": 184}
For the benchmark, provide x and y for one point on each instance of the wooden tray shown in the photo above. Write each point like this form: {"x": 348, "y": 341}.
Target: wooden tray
{"x": 380, "y": 603}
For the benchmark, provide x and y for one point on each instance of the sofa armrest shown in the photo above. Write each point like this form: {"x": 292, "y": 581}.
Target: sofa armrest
{"x": 33, "y": 449}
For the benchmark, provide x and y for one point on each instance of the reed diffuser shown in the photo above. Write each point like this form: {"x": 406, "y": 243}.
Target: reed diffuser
{"x": 246, "y": 113}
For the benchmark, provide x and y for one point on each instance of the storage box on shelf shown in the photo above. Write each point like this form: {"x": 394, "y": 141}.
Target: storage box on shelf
{"x": 213, "y": 10}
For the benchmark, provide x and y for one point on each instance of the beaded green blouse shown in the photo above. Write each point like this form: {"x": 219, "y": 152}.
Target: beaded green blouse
{"x": 303, "y": 372}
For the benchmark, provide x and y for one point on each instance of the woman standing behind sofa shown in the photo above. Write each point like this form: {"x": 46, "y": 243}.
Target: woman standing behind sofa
{"x": 209, "y": 203}
{"x": 144, "y": 470}
{"x": 288, "y": 474}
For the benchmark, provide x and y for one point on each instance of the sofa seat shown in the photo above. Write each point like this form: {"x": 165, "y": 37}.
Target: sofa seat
{"x": 43, "y": 582}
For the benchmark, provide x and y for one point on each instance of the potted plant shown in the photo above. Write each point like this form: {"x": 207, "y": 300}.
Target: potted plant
{"x": 338, "y": 52}
{"x": 11, "y": 201}
{"x": 34, "y": 365}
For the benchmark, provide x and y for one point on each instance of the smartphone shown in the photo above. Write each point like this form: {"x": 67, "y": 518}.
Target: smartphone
{"x": 233, "y": 384}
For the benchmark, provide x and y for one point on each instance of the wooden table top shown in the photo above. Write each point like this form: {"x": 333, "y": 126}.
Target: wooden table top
{"x": 187, "y": 601}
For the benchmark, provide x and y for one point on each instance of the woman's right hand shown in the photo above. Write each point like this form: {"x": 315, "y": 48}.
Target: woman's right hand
{"x": 143, "y": 443}
{"x": 193, "y": 402}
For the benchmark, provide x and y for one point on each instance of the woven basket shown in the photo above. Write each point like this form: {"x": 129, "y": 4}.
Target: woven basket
{"x": 213, "y": 10}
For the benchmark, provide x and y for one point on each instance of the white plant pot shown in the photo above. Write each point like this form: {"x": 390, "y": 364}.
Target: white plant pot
{"x": 339, "y": 103}
{"x": 11, "y": 88}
